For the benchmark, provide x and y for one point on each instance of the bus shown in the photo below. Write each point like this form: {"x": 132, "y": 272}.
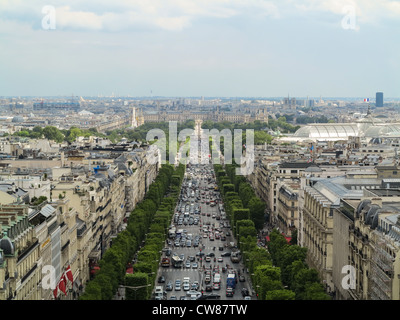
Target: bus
{"x": 177, "y": 262}
{"x": 178, "y": 233}
{"x": 231, "y": 281}
{"x": 172, "y": 233}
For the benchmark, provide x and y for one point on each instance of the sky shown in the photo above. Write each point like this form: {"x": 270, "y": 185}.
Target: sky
{"x": 194, "y": 48}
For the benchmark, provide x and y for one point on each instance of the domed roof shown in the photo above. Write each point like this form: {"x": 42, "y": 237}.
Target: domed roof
{"x": 382, "y": 130}
{"x": 7, "y": 246}
{"x": 327, "y": 131}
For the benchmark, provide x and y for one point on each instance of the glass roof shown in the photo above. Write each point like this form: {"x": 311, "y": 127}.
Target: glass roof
{"x": 327, "y": 131}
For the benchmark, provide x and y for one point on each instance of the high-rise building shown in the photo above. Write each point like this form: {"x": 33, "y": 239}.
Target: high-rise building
{"x": 379, "y": 99}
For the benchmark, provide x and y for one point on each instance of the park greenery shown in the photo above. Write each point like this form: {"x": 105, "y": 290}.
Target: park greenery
{"x": 57, "y": 135}
{"x": 138, "y": 134}
{"x": 279, "y": 273}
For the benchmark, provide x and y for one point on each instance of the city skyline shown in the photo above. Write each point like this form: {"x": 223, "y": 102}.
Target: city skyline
{"x": 190, "y": 49}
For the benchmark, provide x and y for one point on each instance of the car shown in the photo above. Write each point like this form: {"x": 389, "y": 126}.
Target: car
{"x": 186, "y": 286}
{"x": 173, "y": 297}
{"x": 221, "y": 248}
{"x": 208, "y": 259}
{"x": 183, "y": 298}
{"x": 226, "y": 254}
{"x": 245, "y": 292}
{"x": 211, "y": 296}
{"x": 161, "y": 279}
{"x": 195, "y": 285}
{"x": 187, "y": 264}
{"x": 242, "y": 278}
{"x": 200, "y": 254}
{"x": 193, "y": 292}
{"x": 194, "y": 265}
{"x": 220, "y": 259}
{"x": 207, "y": 279}
{"x": 169, "y": 286}
{"x": 211, "y": 254}
{"x": 230, "y": 292}
{"x": 216, "y": 286}
{"x": 209, "y": 288}
{"x": 177, "y": 284}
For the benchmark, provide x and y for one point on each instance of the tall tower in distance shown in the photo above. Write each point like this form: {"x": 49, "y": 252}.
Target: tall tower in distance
{"x": 379, "y": 100}
{"x": 134, "y": 122}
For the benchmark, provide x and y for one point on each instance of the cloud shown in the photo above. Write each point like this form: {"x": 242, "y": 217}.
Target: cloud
{"x": 176, "y": 15}
{"x": 366, "y": 11}
{"x": 124, "y": 15}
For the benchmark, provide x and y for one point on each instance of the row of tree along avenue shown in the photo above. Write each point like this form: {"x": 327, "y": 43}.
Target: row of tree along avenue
{"x": 278, "y": 272}
{"x": 141, "y": 242}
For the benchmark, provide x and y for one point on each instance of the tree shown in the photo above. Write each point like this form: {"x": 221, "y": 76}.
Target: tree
{"x": 92, "y": 291}
{"x": 246, "y": 192}
{"x": 228, "y": 187}
{"x": 302, "y": 279}
{"x": 52, "y": 133}
{"x": 286, "y": 257}
{"x": 315, "y": 291}
{"x": 276, "y": 242}
{"x": 139, "y": 283}
{"x": 257, "y": 210}
{"x": 280, "y": 295}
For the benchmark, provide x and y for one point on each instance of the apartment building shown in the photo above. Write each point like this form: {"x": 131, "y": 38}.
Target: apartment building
{"x": 87, "y": 207}
{"x": 19, "y": 255}
{"x": 288, "y": 206}
{"x": 374, "y": 237}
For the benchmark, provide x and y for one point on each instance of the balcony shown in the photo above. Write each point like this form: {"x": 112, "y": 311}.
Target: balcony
{"x": 25, "y": 252}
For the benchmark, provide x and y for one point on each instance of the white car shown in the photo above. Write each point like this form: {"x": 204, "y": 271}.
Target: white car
{"x": 194, "y": 292}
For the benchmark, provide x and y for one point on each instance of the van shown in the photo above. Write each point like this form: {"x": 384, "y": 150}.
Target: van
{"x": 159, "y": 293}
